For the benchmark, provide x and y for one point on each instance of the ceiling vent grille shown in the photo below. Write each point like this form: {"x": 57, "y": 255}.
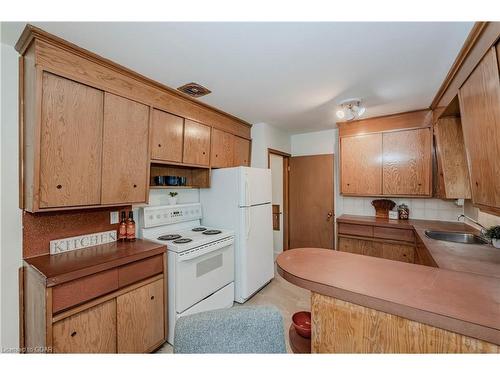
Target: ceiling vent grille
{"x": 194, "y": 89}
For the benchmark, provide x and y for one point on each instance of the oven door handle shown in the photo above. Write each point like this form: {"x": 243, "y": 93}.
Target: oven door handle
{"x": 184, "y": 257}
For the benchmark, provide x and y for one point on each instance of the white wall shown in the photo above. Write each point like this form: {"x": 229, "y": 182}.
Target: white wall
{"x": 327, "y": 142}
{"x": 160, "y": 196}
{"x": 265, "y": 136}
{"x": 10, "y": 224}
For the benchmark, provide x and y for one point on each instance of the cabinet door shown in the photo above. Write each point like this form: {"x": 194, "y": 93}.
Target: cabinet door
{"x": 196, "y": 143}
{"x": 70, "y": 143}
{"x": 91, "y": 331}
{"x": 140, "y": 318}
{"x": 452, "y": 175}
{"x": 222, "y": 149}
{"x": 125, "y": 161}
{"x": 358, "y": 246}
{"x": 399, "y": 252}
{"x": 361, "y": 167}
{"x": 480, "y": 111}
{"x": 167, "y": 136}
{"x": 407, "y": 162}
{"x": 241, "y": 156}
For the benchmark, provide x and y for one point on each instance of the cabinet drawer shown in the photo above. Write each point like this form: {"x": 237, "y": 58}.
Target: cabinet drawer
{"x": 78, "y": 291}
{"x": 354, "y": 229}
{"x": 394, "y": 234}
{"x": 140, "y": 270}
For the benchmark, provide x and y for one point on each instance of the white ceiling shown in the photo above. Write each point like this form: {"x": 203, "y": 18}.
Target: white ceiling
{"x": 289, "y": 75}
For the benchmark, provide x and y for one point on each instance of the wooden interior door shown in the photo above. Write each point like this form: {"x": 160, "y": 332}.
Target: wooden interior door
{"x": 241, "y": 155}
{"x": 407, "y": 162}
{"x": 125, "y": 151}
{"x": 71, "y": 140}
{"x": 167, "y": 136}
{"x": 480, "y": 110}
{"x": 196, "y": 143}
{"x": 140, "y": 318}
{"x": 90, "y": 331}
{"x": 311, "y": 205}
{"x": 361, "y": 166}
{"x": 222, "y": 149}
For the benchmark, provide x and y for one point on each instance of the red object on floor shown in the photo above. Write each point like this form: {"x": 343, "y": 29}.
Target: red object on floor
{"x": 302, "y": 323}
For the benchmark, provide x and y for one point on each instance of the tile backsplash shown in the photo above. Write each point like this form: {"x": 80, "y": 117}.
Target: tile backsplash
{"x": 428, "y": 209}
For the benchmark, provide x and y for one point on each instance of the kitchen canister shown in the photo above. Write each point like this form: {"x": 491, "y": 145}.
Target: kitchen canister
{"x": 403, "y": 212}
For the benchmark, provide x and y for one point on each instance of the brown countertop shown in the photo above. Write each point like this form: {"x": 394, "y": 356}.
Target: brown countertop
{"x": 72, "y": 265}
{"x": 479, "y": 259}
{"x": 461, "y": 302}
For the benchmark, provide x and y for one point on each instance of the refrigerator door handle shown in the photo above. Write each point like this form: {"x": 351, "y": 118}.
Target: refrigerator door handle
{"x": 247, "y": 191}
{"x": 248, "y": 222}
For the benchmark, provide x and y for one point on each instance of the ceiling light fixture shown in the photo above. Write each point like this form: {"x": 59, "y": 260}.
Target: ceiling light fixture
{"x": 350, "y": 109}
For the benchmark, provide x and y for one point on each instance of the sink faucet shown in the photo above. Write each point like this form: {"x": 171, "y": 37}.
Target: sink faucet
{"x": 483, "y": 229}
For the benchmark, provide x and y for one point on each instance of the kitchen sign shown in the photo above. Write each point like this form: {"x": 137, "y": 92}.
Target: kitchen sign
{"x": 80, "y": 242}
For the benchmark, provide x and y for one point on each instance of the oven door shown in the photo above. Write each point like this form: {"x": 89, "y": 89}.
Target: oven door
{"x": 199, "y": 277}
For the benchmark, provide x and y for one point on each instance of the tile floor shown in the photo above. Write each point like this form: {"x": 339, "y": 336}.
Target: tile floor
{"x": 286, "y": 297}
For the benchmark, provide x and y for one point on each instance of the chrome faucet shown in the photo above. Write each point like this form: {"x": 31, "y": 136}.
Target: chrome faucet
{"x": 483, "y": 229}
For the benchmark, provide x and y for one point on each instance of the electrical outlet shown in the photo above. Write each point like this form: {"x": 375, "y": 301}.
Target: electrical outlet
{"x": 114, "y": 217}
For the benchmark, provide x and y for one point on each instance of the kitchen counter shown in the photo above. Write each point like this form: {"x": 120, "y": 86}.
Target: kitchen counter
{"x": 71, "y": 265}
{"x": 460, "y": 302}
{"x": 479, "y": 259}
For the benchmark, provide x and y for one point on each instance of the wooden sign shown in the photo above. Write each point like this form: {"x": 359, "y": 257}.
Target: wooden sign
{"x": 80, "y": 242}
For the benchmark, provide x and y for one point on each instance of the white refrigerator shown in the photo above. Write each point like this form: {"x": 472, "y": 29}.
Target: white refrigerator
{"x": 240, "y": 199}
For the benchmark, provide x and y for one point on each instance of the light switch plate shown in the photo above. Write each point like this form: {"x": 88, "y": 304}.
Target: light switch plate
{"x": 114, "y": 217}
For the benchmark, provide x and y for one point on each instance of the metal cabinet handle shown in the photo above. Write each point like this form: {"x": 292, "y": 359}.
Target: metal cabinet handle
{"x": 73, "y": 334}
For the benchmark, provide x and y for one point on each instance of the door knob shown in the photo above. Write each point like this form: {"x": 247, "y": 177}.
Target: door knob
{"x": 329, "y": 216}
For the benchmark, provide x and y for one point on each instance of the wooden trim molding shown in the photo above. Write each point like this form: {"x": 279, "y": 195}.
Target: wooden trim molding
{"x": 421, "y": 118}
{"x": 286, "y": 192}
{"x": 32, "y": 32}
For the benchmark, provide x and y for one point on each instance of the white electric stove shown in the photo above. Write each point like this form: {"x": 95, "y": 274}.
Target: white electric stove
{"x": 200, "y": 259}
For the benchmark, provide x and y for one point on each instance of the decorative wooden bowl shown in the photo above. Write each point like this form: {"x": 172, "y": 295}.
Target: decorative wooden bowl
{"x": 382, "y": 207}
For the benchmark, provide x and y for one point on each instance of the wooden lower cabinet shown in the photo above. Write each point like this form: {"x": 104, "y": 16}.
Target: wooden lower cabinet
{"x": 132, "y": 322}
{"x": 128, "y": 315}
{"x": 90, "y": 331}
{"x": 358, "y": 246}
{"x": 396, "y": 251}
{"x": 403, "y": 252}
{"x": 140, "y": 319}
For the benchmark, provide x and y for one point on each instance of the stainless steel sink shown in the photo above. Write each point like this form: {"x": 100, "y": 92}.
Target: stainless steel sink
{"x": 466, "y": 238}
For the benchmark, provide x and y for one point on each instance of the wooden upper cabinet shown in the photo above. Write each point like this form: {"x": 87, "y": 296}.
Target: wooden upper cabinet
{"x": 407, "y": 162}
{"x": 222, "y": 149}
{"x": 141, "y": 318}
{"x": 125, "y": 161}
{"x": 167, "y": 136}
{"x": 196, "y": 143}
{"x": 452, "y": 174}
{"x": 241, "y": 155}
{"x": 361, "y": 166}
{"x": 480, "y": 113}
{"x": 70, "y": 143}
